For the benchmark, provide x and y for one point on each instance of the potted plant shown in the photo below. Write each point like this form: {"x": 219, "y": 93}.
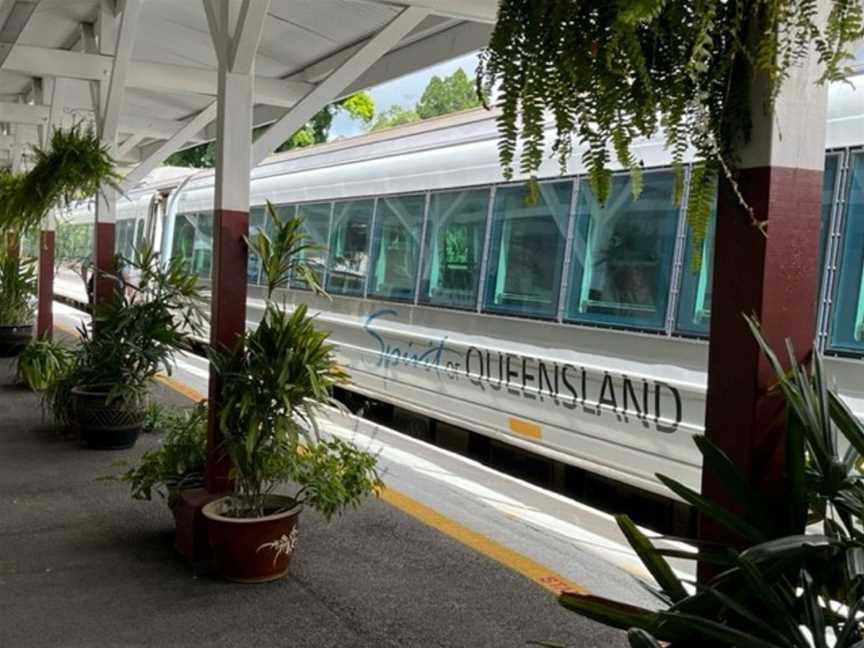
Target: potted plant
{"x": 135, "y": 335}
{"x": 43, "y": 362}
{"x": 178, "y": 462}
{"x": 17, "y": 302}
{"x": 273, "y": 382}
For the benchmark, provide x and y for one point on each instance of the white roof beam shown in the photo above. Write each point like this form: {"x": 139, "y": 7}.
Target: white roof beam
{"x": 245, "y": 41}
{"x": 14, "y": 17}
{"x": 337, "y": 82}
{"x": 133, "y": 140}
{"x": 131, "y": 9}
{"x": 19, "y": 113}
{"x": 41, "y": 61}
{"x": 183, "y": 135}
{"x": 480, "y": 11}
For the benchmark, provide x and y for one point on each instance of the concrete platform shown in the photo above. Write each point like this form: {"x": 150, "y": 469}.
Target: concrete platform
{"x": 81, "y": 564}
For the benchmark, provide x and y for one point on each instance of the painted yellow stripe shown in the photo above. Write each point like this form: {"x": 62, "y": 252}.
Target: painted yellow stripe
{"x": 68, "y": 330}
{"x": 181, "y": 388}
{"x": 531, "y": 430}
{"x": 519, "y": 563}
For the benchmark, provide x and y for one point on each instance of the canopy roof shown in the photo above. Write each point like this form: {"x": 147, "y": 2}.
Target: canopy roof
{"x": 55, "y": 52}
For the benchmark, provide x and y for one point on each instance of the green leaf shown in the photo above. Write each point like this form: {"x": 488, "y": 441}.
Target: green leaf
{"x": 651, "y": 558}
{"x": 611, "y": 613}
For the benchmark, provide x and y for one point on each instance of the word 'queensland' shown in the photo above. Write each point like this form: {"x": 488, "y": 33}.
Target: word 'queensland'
{"x": 573, "y": 386}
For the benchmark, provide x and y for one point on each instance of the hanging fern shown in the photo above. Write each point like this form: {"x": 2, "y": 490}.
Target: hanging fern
{"x": 609, "y": 72}
{"x": 76, "y": 165}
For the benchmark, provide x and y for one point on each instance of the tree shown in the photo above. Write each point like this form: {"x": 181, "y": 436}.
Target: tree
{"x": 450, "y": 94}
{"x": 395, "y": 115}
{"x": 441, "y": 96}
{"x": 359, "y": 106}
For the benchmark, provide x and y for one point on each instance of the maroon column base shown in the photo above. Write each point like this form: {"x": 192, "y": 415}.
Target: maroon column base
{"x": 45, "y": 318}
{"x": 190, "y": 537}
{"x": 104, "y": 263}
{"x": 773, "y": 278}
{"x": 227, "y": 324}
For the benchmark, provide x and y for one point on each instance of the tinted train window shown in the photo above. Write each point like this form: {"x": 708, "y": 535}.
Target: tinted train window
{"x": 455, "y": 233}
{"x": 527, "y": 250}
{"x": 257, "y": 223}
{"x": 694, "y": 310}
{"x": 396, "y": 246}
{"x": 622, "y": 253}
{"x": 694, "y": 306}
{"x": 202, "y": 250}
{"x": 847, "y": 329}
{"x": 349, "y": 247}
{"x": 316, "y": 227}
{"x": 184, "y": 238}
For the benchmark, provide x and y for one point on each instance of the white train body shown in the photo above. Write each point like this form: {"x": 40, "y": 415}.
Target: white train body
{"x": 590, "y": 381}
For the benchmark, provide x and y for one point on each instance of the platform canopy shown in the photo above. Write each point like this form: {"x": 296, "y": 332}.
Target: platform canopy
{"x": 157, "y": 65}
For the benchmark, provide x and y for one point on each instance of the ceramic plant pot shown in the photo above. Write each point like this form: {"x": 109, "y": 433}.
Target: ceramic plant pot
{"x": 104, "y": 425}
{"x": 13, "y": 339}
{"x": 253, "y": 550}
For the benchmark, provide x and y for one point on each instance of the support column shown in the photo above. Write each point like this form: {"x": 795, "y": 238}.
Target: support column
{"x": 103, "y": 248}
{"x": 230, "y": 254}
{"x": 45, "y": 282}
{"x": 773, "y": 277}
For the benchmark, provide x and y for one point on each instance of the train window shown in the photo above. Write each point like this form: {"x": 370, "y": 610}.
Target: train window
{"x": 257, "y": 218}
{"x": 349, "y": 247}
{"x": 396, "y": 246}
{"x": 847, "y": 329}
{"x": 527, "y": 249}
{"x": 316, "y": 227}
{"x": 202, "y": 249}
{"x": 184, "y": 239}
{"x": 694, "y": 305}
{"x": 455, "y": 233}
{"x": 694, "y": 311}
{"x": 623, "y": 253}
{"x": 139, "y": 233}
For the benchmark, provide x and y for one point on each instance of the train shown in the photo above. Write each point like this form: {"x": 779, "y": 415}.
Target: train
{"x": 569, "y": 329}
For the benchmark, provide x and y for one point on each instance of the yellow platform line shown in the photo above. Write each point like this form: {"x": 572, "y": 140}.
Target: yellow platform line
{"x": 519, "y": 563}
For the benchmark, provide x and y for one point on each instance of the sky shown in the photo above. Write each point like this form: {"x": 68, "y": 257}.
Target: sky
{"x": 405, "y": 91}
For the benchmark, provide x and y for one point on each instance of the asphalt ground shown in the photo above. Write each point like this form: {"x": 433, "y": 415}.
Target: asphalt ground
{"x": 81, "y": 564}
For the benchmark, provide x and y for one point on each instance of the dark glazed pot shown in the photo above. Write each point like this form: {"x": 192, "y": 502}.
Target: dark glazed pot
{"x": 13, "y": 339}
{"x": 253, "y": 550}
{"x": 103, "y": 425}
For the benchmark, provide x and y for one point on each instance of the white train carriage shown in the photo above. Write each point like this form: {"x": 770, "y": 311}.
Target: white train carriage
{"x": 574, "y": 330}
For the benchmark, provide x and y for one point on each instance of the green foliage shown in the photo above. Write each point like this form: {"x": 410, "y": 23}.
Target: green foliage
{"x": 611, "y": 72}
{"x": 76, "y": 165}
{"x": 441, "y": 96}
{"x": 359, "y": 106}
{"x": 179, "y": 460}
{"x": 43, "y": 362}
{"x": 768, "y": 594}
{"x": 333, "y": 475}
{"x": 450, "y": 94}
{"x": 17, "y": 289}
{"x": 137, "y": 333}
{"x": 274, "y": 380}
{"x": 395, "y": 115}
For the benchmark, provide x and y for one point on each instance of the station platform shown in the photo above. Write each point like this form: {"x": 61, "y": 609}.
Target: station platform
{"x": 452, "y": 554}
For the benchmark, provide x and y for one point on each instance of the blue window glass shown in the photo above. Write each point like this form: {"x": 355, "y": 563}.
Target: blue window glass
{"x": 694, "y": 307}
{"x": 527, "y": 249}
{"x": 847, "y": 327}
{"x": 396, "y": 246}
{"x": 349, "y": 247}
{"x": 184, "y": 238}
{"x": 623, "y": 253}
{"x": 455, "y": 233}
{"x": 202, "y": 246}
{"x": 316, "y": 228}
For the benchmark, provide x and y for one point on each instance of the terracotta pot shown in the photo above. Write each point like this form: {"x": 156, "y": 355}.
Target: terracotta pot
{"x": 103, "y": 425}
{"x": 13, "y": 339}
{"x": 253, "y": 550}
